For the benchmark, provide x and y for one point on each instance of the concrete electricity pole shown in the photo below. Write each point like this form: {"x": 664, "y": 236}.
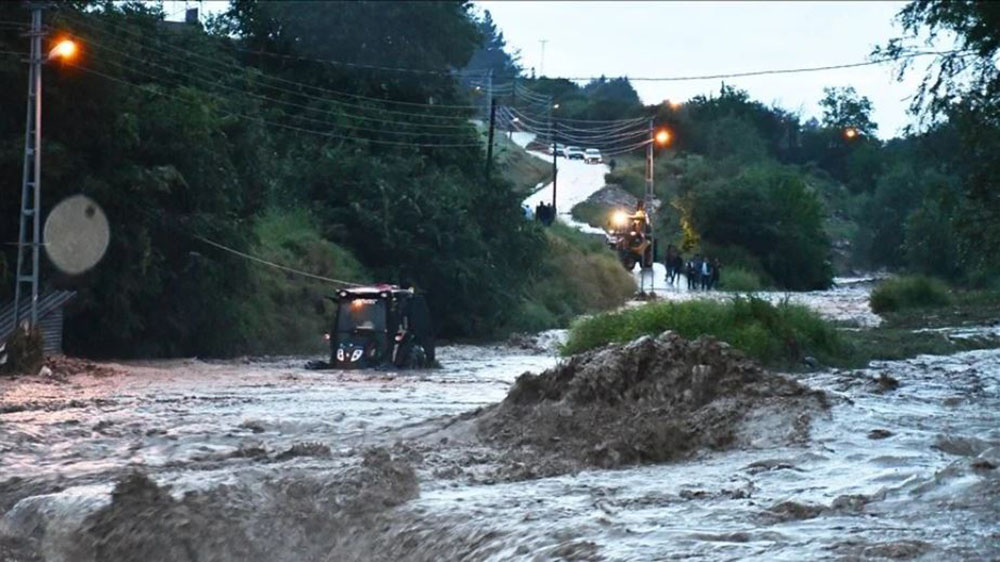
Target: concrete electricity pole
{"x": 31, "y": 183}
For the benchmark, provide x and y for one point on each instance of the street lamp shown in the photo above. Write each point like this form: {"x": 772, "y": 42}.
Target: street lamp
{"x": 662, "y": 137}
{"x": 850, "y": 133}
{"x": 31, "y": 182}
{"x": 64, "y": 49}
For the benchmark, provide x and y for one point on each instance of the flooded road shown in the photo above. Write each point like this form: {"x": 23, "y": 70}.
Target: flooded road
{"x": 902, "y": 466}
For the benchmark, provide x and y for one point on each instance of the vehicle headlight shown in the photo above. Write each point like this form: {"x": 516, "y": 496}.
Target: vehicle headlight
{"x": 355, "y": 355}
{"x": 340, "y": 355}
{"x": 619, "y": 218}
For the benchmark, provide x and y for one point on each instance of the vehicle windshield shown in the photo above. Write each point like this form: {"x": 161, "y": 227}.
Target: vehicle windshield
{"x": 361, "y": 314}
{"x": 593, "y": 151}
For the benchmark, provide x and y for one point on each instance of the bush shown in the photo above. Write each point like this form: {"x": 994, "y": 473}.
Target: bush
{"x": 914, "y": 291}
{"x": 592, "y": 213}
{"x": 23, "y": 352}
{"x": 780, "y": 334}
{"x": 736, "y": 278}
{"x": 772, "y": 213}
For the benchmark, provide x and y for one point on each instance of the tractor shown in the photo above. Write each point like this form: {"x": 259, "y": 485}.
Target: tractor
{"x": 631, "y": 237}
{"x": 380, "y": 326}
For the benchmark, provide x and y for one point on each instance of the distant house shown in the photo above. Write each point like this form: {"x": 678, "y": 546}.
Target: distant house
{"x": 50, "y": 318}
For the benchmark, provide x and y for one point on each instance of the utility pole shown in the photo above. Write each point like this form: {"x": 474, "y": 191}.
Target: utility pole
{"x": 541, "y": 62}
{"x": 489, "y": 145}
{"x": 489, "y": 90}
{"x": 649, "y": 168}
{"x": 555, "y": 168}
{"x": 513, "y": 104}
{"x": 31, "y": 182}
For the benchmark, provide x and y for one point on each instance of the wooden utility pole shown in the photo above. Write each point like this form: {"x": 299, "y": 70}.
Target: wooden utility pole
{"x": 489, "y": 144}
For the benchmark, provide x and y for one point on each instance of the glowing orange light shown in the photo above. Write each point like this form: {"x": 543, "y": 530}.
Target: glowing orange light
{"x": 65, "y": 49}
{"x": 851, "y": 132}
{"x": 663, "y": 136}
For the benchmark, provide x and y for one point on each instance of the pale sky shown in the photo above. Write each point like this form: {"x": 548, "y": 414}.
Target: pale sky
{"x": 696, "y": 38}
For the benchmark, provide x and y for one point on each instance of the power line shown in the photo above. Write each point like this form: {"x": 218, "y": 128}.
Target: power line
{"x": 80, "y": 20}
{"x": 769, "y": 71}
{"x": 272, "y": 264}
{"x": 364, "y": 66}
{"x": 464, "y": 128}
{"x": 275, "y": 124}
{"x": 354, "y": 106}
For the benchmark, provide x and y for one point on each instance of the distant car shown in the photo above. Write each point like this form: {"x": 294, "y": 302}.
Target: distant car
{"x": 592, "y": 156}
{"x": 574, "y": 153}
{"x": 558, "y": 149}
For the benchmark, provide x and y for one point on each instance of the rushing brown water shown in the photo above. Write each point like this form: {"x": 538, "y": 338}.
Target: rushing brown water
{"x": 268, "y": 461}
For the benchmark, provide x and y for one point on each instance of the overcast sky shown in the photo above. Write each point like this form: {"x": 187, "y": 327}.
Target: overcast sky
{"x": 697, "y": 38}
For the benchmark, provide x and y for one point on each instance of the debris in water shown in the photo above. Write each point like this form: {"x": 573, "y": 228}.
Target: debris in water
{"x": 885, "y": 383}
{"x": 306, "y": 449}
{"x": 652, "y": 400}
{"x": 879, "y": 434}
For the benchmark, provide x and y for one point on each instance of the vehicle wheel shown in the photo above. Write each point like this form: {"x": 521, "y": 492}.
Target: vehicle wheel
{"x": 417, "y": 357}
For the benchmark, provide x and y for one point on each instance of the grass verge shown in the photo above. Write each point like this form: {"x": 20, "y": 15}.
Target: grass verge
{"x": 288, "y": 313}
{"x": 900, "y": 293}
{"x": 579, "y": 275}
{"x": 776, "y": 335}
{"x": 739, "y": 279}
{"x": 779, "y": 336}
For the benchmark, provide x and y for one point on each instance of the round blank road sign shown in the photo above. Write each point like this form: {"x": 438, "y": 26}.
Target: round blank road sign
{"x": 76, "y": 234}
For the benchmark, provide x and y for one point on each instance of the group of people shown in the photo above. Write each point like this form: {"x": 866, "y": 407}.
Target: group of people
{"x": 700, "y": 271}
{"x": 545, "y": 213}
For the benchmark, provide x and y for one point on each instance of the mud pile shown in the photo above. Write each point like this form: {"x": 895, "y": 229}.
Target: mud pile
{"x": 652, "y": 400}
{"x": 297, "y": 515}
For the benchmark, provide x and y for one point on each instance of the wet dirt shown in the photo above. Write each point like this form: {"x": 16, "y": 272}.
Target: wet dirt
{"x": 653, "y": 400}
{"x": 264, "y": 460}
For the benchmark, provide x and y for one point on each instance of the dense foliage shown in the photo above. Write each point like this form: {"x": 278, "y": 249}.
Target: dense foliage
{"x": 227, "y": 134}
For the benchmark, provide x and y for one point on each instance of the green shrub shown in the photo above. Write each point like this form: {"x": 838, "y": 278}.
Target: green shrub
{"x": 594, "y": 214}
{"x": 736, "y": 278}
{"x": 780, "y": 334}
{"x": 914, "y": 291}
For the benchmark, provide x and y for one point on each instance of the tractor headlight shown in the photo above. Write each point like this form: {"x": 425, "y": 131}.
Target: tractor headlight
{"x": 340, "y": 355}
{"x": 355, "y": 355}
{"x": 619, "y": 218}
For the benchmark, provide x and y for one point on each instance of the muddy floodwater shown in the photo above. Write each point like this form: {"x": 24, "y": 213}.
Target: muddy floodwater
{"x": 293, "y": 464}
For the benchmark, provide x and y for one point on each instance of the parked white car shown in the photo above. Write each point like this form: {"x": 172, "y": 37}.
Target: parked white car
{"x": 574, "y": 153}
{"x": 592, "y": 156}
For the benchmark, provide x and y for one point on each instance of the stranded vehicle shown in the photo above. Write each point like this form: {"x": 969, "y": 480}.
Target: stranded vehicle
{"x": 380, "y": 325}
{"x": 592, "y": 156}
{"x": 631, "y": 237}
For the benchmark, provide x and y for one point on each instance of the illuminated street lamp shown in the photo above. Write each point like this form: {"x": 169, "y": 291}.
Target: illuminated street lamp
{"x": 64, "y": 49}
{"x": 850, "y": 133}
{"x": 662, "y": 137}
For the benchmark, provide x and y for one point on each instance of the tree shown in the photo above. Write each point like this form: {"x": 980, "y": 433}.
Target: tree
{"x": 769, "y": 211}
{"x": 963, "y": 87}
{"x": 492, "y": 54}
{"x": 844, "y": 109}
